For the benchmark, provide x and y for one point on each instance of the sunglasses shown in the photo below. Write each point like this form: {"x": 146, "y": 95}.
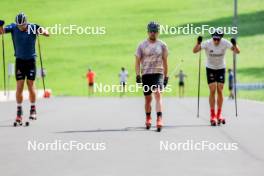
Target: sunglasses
{"x": 216, "y": 39}
{"x": 153, "y": 31}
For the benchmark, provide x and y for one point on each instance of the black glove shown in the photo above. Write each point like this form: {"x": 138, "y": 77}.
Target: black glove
{"x": 166, "y": 79}
{"x": 138, "y": 79}
{"x": 2, "y": 22}
{"x": 199, "y": 40}
{"x": 233, "y": 41}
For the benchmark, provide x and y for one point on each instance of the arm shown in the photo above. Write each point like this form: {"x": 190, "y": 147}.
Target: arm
{"x": 137, "y": 66}
{"x": 43, "y": 32}
{"x": 197, "y": 47}
{"x": 165, "y": 65}
{"x": 235, "y": 48}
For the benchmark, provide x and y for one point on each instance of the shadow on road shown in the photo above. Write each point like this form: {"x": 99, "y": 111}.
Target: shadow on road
{"x": 128, "y": 129}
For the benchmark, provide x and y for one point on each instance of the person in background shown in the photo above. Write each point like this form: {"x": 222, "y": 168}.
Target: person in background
{"x": 181, "y": 77}
{"x": 123, "y": 80}
{"x": 231, "y": 83}
{"x": 90, "y": 76}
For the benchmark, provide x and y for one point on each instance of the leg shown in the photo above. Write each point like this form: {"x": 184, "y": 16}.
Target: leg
{"x": 148, "y": 99}
{"x": 220, "y": 99}
{"x": 19, "y": 91}
{"x": 20, "y": 78}
{"x": 212, "y": 88}
{"x": 32, "y": 99}
{"x": 32, "y": 91}
{"x": 220, "y": 96}
{"x": 90, "y": 89}
{"x": 158, "y": 99}
{"x": 179, "y": 91}
{"x": 232, "y": 93}
{"x": 19, "y": 99}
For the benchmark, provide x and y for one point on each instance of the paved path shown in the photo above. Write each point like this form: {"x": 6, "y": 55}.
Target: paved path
{"x": 116, "y": 125}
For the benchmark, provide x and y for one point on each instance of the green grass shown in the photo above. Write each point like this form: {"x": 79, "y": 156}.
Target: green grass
{"x": 68, "y": 57}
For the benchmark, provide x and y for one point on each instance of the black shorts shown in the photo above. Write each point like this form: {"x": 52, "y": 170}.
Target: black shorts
{"x": 230, "y": 87}
{"x": 215, "y": 75}
{"x": 151, "y": 82}
{"x": 181, "y": 84}
{"x": 25, "y": 69}
{"x": 91, "y": 84}
{"x": 122, "y": 83}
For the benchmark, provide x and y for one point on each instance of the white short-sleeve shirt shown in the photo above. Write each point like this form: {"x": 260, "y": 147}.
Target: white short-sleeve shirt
{"x": 123, "y": 76}
{"x": 216, "y": 54}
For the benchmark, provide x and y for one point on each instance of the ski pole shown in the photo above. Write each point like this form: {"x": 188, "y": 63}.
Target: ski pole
{"x": 235, "y": 20}
{"x": 41, "y": 65}
{"x": 4, "y": 69}
{"x": 199, "y": 81}
{"x": 235, "y": 81}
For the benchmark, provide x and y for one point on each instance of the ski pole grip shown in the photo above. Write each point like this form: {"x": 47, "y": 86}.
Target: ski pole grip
{"x": 2, "y": 22}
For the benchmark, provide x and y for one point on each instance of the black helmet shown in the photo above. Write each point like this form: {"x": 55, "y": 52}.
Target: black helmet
{"x": 21, "y": 19}
{"x": 153, "y": 27}
{"x": 218, "y": 34}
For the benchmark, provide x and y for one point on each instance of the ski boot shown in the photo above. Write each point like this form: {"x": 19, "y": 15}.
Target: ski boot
{"x": 148, "y": 122}
{"x": 213, "y": 121}
{"x": 18, "y": 121}
{"x": 33, "y": 113}
{"x": 220, "y": 118}
{"x": 159, "y": 124}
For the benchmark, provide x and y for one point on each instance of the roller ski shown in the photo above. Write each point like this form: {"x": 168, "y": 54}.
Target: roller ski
{"x": 220, "y": 118}
{"x": 213, "y": 121}
{"x": 159, "y": 124}
{"x": 148, "y": 122}
{"x": 33, "y": 113}
{"x": 18, "y": 121}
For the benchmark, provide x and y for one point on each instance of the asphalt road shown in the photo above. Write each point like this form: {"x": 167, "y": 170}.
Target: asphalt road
{"x": 112, "y": 140}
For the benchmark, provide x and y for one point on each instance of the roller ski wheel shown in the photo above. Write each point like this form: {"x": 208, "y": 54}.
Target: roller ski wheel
{"x": 148, "y": 123}
{"x": 221, "y": 120}
{"x": 18, "y": 122}
{"x": 159, "y": 124}
{"x": 27, "y": 124}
